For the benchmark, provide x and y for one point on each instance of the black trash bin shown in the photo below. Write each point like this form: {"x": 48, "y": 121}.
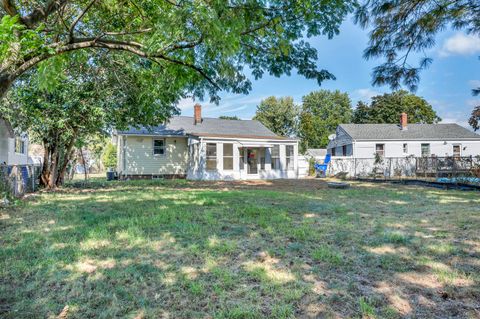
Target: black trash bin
{"x": 110, "y": 176}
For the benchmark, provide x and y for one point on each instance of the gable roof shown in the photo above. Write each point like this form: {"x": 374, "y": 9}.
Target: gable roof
{"x": 184, "y": 125}
{"x": 413, "y": 132}
{"x": 316, "y": 152}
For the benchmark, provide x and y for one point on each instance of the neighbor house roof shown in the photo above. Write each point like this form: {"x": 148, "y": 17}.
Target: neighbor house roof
{"x": 413, "y": 132}
{"x": 184, "y": 125}
{"x": 316, "y": 152}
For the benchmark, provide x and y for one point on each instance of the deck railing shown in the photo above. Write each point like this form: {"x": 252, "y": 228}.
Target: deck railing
{"x": 465, "y": 169}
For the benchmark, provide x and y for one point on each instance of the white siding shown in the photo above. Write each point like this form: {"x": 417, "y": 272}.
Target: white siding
{"x": 139, "y": 158}
{"x": 395, "y": 148}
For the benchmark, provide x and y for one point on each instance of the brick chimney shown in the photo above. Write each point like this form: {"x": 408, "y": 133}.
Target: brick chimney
{"x": 403, "y": 121}
{"x": 197, "y": 114}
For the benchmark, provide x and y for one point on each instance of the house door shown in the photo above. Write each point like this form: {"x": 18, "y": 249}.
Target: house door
{"x": 252, "y": 161}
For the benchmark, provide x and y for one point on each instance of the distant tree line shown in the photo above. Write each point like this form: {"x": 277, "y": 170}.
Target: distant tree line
{"x": 322, "y": 111}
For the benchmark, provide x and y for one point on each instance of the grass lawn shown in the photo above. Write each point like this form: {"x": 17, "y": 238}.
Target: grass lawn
{"x": 283, "y": 249}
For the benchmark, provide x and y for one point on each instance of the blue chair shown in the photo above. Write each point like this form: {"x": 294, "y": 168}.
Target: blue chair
{"x": 322, "y": 168}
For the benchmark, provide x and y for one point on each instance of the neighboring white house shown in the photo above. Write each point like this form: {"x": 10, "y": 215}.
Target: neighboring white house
{"x": 206, "y": 148}
{"x": 13, "y": 147}
{"x": 403, "y": 140}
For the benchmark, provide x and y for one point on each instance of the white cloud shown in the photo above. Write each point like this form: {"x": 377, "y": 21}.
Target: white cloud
{"x": 185, "y": 104}
{"x": 366, "y": 94}
{"x": 473, "y": 102}
{"x": 460, "y": 44}
{"x": 474, "y": 84}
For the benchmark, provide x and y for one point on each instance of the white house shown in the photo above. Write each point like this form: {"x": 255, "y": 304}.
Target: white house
{"x": 403, "y": 140}
{"x": 13, "y": 147}
{"x": 206, "y": 148}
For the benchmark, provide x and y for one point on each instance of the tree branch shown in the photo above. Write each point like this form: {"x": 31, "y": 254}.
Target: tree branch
{"x": 75, "y": 22}
{"x": 40, "y": 14}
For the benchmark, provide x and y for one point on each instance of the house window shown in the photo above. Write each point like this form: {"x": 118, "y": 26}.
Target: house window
{"x": 276, "y": 157}
{"x": 425, "y": 150}
{"x": 19, "y": 145}
{"x": 159, "y": 147}
{"x": 211, "y": 156}
{"x": 242, "y": 159}
{"x": 380, "y": 149}
{"x": 289, "y": 156}
{"x": 457, "y": 150}
{"x": 333, "y": 151}
{"x": 227, "y": 156}
{"x": 405, "y": 148}
{"x": 344, "y": 150}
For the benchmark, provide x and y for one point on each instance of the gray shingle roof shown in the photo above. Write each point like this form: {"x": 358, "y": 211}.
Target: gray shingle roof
{"x": 413, "y": 132}
{"x": 183, "y": 125}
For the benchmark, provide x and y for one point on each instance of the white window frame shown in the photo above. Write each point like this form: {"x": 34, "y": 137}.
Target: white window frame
{"x": 164, "y": 147}
{"x": 17, "y": 140}
{"x": 227, "y": 156}
{"x": 460, "y": 149}
{"x": 429, "y": 150}
{"x": 212, "y": 157}
{"x": 382, "y": 154}
{"x": 290, "y": 159}
{"x": 275, "y": 158}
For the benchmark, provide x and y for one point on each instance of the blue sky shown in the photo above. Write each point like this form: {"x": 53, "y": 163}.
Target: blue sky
{"x": 446, "y": 84}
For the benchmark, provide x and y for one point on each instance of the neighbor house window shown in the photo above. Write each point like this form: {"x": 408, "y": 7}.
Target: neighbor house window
{"x": 289, "y": 156}
{"x": 425, "y": 150}
{"x": 333, "y": 151}
{"x": 380, "y": 149}
{"x": 211, "y": 156}
{"x": 405, "y": 148}
{"x": 457, "y": 150}
{"x": 227, "y": 156}
{"x": 159, "y": 147}
{"x": 19, "y": 145}
{"x": 276, "y": 157}
{"x": 344, "y": 150}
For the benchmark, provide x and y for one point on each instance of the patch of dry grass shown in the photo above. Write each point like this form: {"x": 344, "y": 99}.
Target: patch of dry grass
{"x": 267, "y": 249}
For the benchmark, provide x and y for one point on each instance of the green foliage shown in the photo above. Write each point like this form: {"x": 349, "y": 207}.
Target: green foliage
{"x": 322, "y": 111}
{"x": 474, "y": 119}
{"x": 387, "y": 108}
{"x": 200, "y": 47}
{"x": 226, "y": 117}
{"x": 400, "y": 28}
{"x": 278, "y": 114}
{"x": 109, "y": 156}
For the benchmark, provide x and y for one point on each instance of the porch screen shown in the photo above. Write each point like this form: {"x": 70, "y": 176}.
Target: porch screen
{"x": 227, "y": 156}
{"x": 211, "y": 156}
{"x": 289, "y": 156}
{"x": 276, "y": 157}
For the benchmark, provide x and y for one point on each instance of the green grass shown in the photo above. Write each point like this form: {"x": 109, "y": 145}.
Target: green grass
{"x": 283, "y": 249}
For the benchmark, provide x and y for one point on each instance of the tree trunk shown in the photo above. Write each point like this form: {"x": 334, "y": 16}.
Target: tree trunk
{"x": 44, "y": 176}
{"x": 66, "y": 159}
{"x": 5, "y": 83}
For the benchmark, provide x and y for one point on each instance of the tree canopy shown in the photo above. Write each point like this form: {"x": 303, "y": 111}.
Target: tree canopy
{"x": 278, "y": 114}
{"x": 403, "y": 27}
{"x": 387, "y": 108}
{"x": 201, "y": 47}
{"x": 322, "y": 111}
{"x": 82, "y": 104}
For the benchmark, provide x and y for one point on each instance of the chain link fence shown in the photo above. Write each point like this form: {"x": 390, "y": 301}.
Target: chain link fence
{"x": 441, "y": 169}
{"x": 18, "y": 180}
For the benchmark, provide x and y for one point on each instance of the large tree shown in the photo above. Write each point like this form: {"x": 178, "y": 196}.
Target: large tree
{"x": 202, "y": 45}
{"x": 387, "y": 108}
{"x": 321, "y": 113}
{"x": 278, "y": 114}
{"x": 86, "y": 103}
{"x": 401, "y": 28}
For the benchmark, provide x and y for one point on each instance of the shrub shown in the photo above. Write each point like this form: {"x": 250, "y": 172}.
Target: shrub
{"x": 109, "y": 156}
